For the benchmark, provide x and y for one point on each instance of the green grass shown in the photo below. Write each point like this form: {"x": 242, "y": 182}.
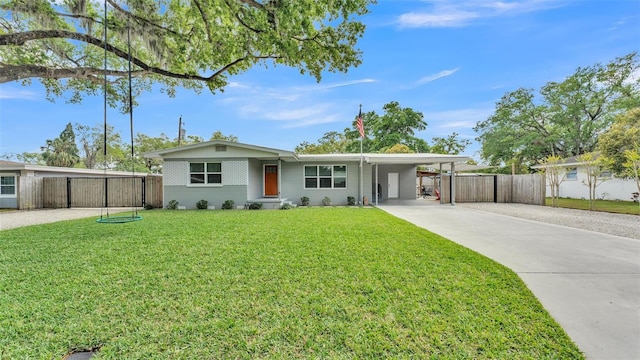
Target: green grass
{"x": 621, "y": 207}
{"x": 304, "y": 283}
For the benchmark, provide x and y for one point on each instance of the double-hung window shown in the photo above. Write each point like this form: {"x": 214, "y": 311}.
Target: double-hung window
{"x": 205, "y": 173}
{"x": 325, "y": 176}
{"x": 7, "y": 185}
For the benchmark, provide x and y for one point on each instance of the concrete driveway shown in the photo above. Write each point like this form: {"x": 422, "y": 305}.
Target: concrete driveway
{"x": 589, "y": 282}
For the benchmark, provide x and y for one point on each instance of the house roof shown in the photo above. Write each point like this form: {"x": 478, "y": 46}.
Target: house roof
{"x": 159, "y": 154}
{"x": 18, "y": 166}
{"x": 371, "y": 158}
{"x": 570, "y": 161}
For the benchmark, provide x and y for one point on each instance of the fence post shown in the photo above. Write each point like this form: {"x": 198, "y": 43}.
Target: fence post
{"x": 68, "y": 192}
{"x": 144, "y": 191}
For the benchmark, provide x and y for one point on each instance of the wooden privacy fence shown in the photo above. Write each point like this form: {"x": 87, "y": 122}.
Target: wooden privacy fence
{"x": 522, "y": 189}
{"x": 68, "y": 192}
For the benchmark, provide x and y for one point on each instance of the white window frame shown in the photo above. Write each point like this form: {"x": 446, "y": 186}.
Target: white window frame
{"x": 14, "y": 185}
{"x": 333, "y": 177}
{"x": 205, "y": 173}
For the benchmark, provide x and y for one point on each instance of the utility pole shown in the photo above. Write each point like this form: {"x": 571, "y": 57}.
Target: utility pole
{"x": 179, "y": 130}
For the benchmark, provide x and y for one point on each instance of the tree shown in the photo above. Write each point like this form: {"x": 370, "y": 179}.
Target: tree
{"x": 449, "y": 145}
{"x": 218, "y": 135}
{"x": 62, "y": 151}
{"x": 397, "y": 125}
{"x": 595, "y": 166}
{"x": 33, "y": 158}
{"x": 552, "y": 167}
{"x": 632, "y": 165}
{"x": 92, "y": 140}
{"x": 399, "y": 149}
{"x": 566, "y": 120}
{"x": 331, "y": 142}
{"x": 187, "y": 43}
{"x": 622, "y": 136}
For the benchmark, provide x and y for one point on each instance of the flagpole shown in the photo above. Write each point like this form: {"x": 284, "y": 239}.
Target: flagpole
{"x": 361, "y": 161}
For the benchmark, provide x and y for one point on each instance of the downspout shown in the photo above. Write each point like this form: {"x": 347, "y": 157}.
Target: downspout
{"x": 376, "y": 185}
{"x": 453, "y": 184}
{"x": 440, "y": 185}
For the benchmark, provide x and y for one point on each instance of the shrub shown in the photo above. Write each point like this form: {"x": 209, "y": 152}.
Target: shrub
{"x": 304, "y": 201}
{"x": 286, "y": 206}
{"x": 255, "y": 206}
{"x": 148, "y": 207}
{"x": 326, "y": 201}
{"x": 172, "y": 205}
{"x": 351, "y": 200}
{"x": 227, "y": 205}
{"x": 202, "y": 204}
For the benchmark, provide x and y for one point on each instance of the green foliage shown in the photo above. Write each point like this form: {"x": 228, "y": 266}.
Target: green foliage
{"x": 351, "y": 201}
{"x": 174, "y": 43}
{"x": 331, "y": 143}
{"x": 148, "y": 207}
{"x": 304, "y": 201}
{"x": 62, "y": 151}
{"x": 342, "y": 283}
{"x": 202, "y": 204}
{"x": 623, "y": 135}
{"x": 218, "y": 135}
{"x": 91, "y": 140}
{"x": 255, "y": 206}
{"x": 451, "y": 145}
{"x": 326, "y": 201}
{"x": 566, "y": 120}
{"x": 228, "y": 205}
{"x": 172, "y": 204}
{"x": 286, "y": 206}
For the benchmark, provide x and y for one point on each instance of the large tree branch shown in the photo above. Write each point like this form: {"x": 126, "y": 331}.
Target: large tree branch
{"x": 19, "y": 72}
{"x": 21, "y": 38}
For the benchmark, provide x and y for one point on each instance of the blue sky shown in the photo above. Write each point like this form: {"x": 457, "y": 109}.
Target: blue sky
{"x": 450, "y": 60}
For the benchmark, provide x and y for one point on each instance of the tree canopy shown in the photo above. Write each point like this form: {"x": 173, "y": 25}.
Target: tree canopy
{"x": 566, "y": 120}
{"x": 187, "y": 43}
{"x": 62, "y": 151}
{"x": 623, "y": 136}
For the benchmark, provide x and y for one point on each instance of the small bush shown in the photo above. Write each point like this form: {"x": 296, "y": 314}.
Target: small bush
{"x": 286, "y": 206}
{"x": 255, "y": 206}
{"x": 148, "y": 207}
{"x": 351, "y": 200}
{"x": 202, "y": 204}
{"x": 172, "y": 205}
{"x": 304, "y": 201}
{"x": 326, "y": 201}
{"x": 227, "y": 205}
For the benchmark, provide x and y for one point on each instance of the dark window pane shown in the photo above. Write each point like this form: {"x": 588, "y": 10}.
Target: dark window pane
{"x": 340, "y": 170}
{"x": 311, "y": 183}
{"x": 325, "y": 170}
{"x": 214, "y": 179}
{"x": 7, "y": 180}
{"x": 340, "y": 182}
{"x": 214, "y": 167}
{"x": 196, "y": 167}
{"x": 7, "y": 190}
{"x": 325, "y": 182}
{"x": 310, "y": 170}
{"x": 197, "y": 178}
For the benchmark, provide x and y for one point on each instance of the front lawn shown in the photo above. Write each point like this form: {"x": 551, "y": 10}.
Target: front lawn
{"x": 303, "y": 283}
{"x": 620, "y": 207}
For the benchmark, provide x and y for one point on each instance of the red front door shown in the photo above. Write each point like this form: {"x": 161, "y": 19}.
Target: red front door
{"x": 271, "y": 180}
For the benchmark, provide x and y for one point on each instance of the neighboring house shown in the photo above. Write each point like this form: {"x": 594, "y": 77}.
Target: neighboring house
{"x": 15, "y": 179}
{"x": 217, "y": 171}
{"x": 573, "y": 185}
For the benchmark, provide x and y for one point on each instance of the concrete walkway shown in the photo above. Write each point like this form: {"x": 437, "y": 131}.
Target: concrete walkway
{"x": 589, "y": 282}
{"x": 20, "y": 218}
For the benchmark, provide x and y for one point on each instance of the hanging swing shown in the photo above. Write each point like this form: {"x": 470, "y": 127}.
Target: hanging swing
{"x": 107, "y": 219}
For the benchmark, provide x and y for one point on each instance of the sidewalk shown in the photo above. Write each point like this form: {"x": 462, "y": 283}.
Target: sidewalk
{"x": 589, "y": 282}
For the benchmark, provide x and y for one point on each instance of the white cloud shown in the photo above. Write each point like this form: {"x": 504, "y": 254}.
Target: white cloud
{"x": 452, "y": 13}
{"x": 13, "y": 94}
{"x": 463, "y": 119}
{"x": 441, "y": 74}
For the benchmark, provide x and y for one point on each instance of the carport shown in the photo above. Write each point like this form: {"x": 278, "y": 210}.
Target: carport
{"x": 394, "y": 175}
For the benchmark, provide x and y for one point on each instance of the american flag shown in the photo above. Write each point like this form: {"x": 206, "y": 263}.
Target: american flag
{"x": 360, "y": 124}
